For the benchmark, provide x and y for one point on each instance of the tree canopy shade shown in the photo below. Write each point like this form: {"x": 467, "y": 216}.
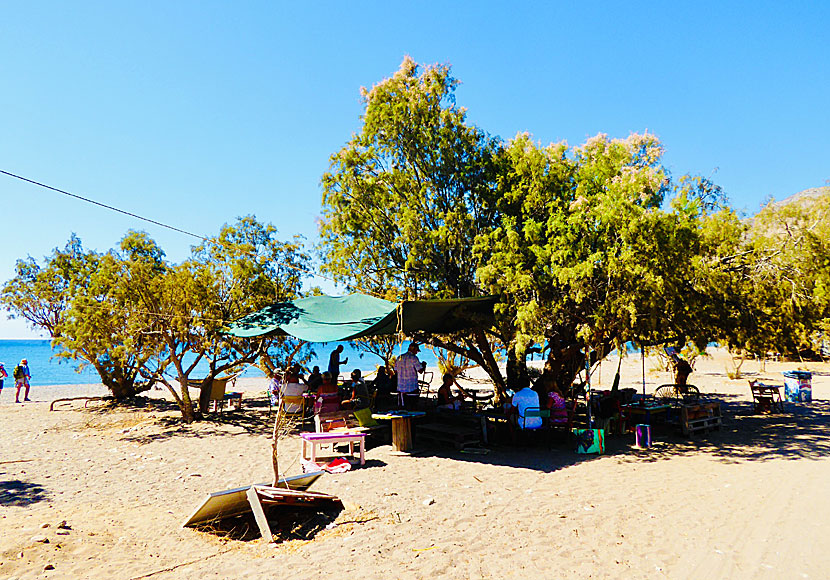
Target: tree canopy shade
{"x": 340, "y": 318}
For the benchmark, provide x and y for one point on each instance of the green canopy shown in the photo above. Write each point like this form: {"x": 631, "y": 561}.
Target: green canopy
{"x": 339, "y": 318}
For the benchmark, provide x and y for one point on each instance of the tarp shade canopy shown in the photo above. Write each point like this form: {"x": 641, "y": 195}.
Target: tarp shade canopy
{"x": 341, "y": 318}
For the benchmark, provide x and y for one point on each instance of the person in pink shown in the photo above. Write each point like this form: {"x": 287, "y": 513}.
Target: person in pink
{"x": 3, "y": 375}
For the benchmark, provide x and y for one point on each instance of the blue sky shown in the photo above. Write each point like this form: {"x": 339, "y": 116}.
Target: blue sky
{"x": 194, "y": 113}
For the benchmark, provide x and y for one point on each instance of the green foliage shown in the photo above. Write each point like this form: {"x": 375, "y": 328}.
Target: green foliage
{"x": 75, "y": 297}
{"x": 139, "y": 319}
{"x": 775, "y": 290}
{"x": 575, "y": 241}
{"x": 184, "y": 311}
{"x": 583, "y": 255}
{"x": 402, "y": 202}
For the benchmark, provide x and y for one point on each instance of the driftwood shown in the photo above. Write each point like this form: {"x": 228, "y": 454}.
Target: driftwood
{"x": 87, "y": 399}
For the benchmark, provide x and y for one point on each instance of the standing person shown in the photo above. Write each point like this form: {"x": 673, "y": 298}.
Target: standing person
{"x": 3, "y": 375}
{"x": 682, "y": 369}
{"x": 22, "y": 376}
{"x": 335, "y": 361}
{"x": 407, "y": 368}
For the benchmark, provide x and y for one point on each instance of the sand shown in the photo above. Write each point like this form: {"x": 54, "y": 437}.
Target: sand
{"x": 745, "y": 502}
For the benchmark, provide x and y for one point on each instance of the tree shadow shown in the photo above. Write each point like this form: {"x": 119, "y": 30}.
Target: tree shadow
{"x": 799, "y": 433}
{"x": 16, "y": 492}
{"x": 255, "y": 418}
{"x": 248, "y": 423}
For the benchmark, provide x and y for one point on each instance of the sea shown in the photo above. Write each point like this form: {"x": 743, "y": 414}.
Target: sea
{"x": 47, "y": 369}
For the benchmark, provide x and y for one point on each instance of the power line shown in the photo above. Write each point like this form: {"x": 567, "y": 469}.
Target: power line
{"x": 160, "y": 224}
{"x": 146, "y": 219}
{"x": 109, "y": 207}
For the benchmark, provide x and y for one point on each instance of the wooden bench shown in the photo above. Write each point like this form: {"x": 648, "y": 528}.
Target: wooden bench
{"x": 460, "y": 436}
{"x": 700, "y": 418}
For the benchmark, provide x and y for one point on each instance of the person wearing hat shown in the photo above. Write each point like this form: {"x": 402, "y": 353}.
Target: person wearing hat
{"x": 3, "y": 375}
{"x": 21, "y": 380}
{"x": 407, "y": 368}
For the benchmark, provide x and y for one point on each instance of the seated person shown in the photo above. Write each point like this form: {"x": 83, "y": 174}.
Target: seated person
{"x": 358, "y": 392}
{"x": 609, "y": 413}
{"x": 294, "y": 375}
{"x": 558, "y": 406}
{"x": 292, "y": 385}
{"x": 386, "y": 387}
{"x": 522, "y": 400}
{"x": 275, "y": 388}
{"x": 383, "y": 382}
{"x": 328, "y": 386}
{"x": 328, "y": 400}
{"x": 314, "y": 379}
{"x": 446, "y": 400}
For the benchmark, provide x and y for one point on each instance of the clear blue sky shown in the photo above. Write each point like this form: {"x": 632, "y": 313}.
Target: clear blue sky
{"x": 194, "y": 113}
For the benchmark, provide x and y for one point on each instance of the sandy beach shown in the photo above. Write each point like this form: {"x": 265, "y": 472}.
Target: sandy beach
{"x": 745, "y": 502}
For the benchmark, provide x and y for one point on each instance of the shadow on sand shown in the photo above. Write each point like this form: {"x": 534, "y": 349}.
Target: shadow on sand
{"x": 802, "y": 432}
{"x": 15, "y": 492}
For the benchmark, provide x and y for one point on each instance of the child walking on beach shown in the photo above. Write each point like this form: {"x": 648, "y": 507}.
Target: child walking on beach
{"x": 3, "y": 375}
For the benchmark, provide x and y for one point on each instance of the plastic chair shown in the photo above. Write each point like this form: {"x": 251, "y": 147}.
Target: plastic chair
{"x": 531, "y": 413}
{"x": 534, "y": 413}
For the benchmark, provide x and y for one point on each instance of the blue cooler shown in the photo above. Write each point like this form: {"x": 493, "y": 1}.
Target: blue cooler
{"x": 798, "y": 386}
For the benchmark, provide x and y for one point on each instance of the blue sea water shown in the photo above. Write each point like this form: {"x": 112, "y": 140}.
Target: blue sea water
{"x": 46, "y": 369}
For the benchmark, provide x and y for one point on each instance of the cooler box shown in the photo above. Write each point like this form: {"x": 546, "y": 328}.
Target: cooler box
{"x": 642, "y": 436}
{"x": 798, "y": 386}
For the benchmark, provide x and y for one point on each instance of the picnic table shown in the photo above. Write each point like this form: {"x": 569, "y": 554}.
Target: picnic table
{"x": 766, "y": 397}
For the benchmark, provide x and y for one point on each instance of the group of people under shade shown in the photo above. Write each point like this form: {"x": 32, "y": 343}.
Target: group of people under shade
{"x": 528, "y": 398}
{"x": 545, "y": 394}
{"x": 398, "y": 386}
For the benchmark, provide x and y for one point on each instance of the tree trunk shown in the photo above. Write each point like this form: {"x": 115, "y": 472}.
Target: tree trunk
{"x": 516, "y": 368}
{"x": 120, "y": 389}
{"x": 563, "y": 365}
{"x": 204, "y": 394}
{"x": 189, "y": 414}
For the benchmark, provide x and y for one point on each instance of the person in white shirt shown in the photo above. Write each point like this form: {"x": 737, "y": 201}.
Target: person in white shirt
{"x": 523, "y": 399}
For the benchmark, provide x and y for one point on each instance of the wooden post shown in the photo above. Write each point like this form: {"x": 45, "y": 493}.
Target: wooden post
{"x": 274, "y": 458}
{"x": 402, "y": 433}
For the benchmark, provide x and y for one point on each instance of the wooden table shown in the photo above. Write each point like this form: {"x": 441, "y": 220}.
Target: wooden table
{"x": 316, "y": 439}
{"x": 767, "y": 398}
{"x": 635, "y": 410}
{"x": 495, "y": 416}
{"x": 401, "y": 427}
